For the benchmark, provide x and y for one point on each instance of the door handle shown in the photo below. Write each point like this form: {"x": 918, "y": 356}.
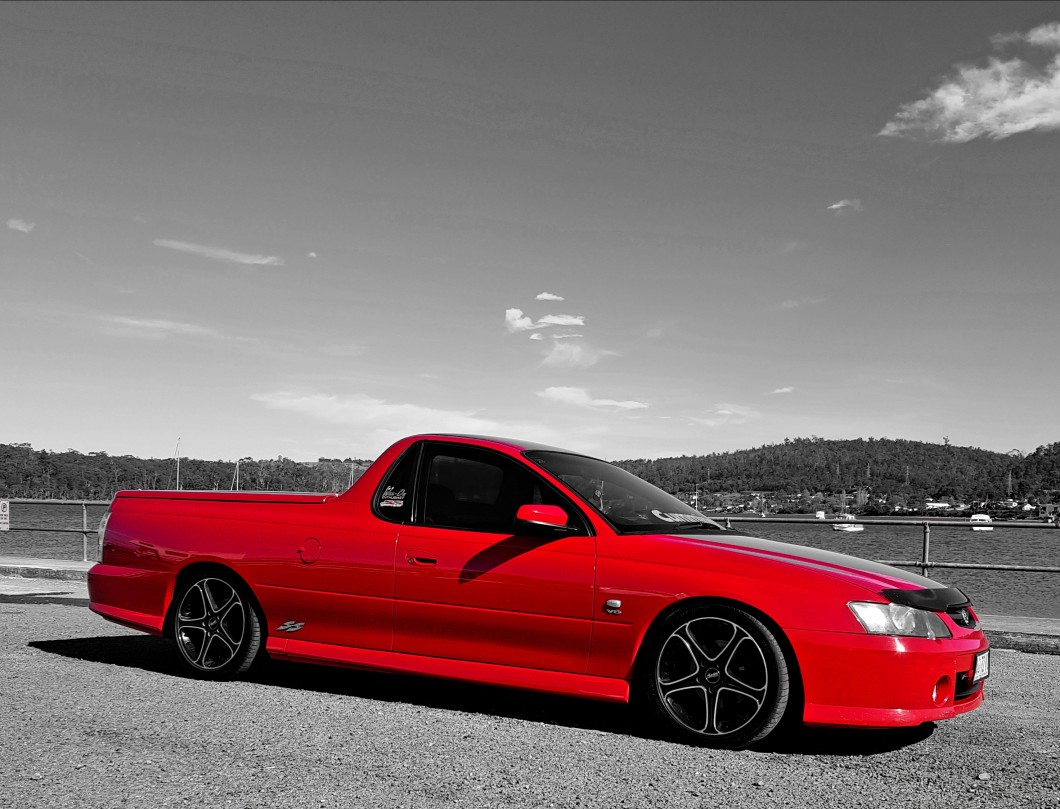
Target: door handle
{"x": 424, "y": 561}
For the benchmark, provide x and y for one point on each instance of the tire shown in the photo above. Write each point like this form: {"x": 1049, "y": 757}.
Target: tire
{"x": 715, "y": 676}
{"x": 215, "y": 627}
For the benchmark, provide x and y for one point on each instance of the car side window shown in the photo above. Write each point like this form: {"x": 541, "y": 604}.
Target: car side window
{"x": 478, "y": 490}
{"x": 393, "y": 500}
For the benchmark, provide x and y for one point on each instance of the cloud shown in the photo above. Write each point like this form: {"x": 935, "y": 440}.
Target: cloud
{"x": 562, "y": 320}
{"x": 571, "y": 354}
{"x": 153, "y": 328}
{"x": 725, "y": 414}
{"x": 800, "y": 302}
{"x": 791, "y": 247}
{"x": 515, "y": 320}
{"x": 788, "y": 389}
{"x": 311, "y": 255}
{"x": 579, "y": 397}
{"x": 21, "y": 225}
{"x": 1044, "y": 36}
{"x": 1004, "y": 98}
{"x": 548, "y": 296}
{"x": 363, "y": 411}
{"x": 374, "y": 423}
{"x": 567, "y": 348}
{"x": 845, "y": 206}
{"x": 220, "y": 254}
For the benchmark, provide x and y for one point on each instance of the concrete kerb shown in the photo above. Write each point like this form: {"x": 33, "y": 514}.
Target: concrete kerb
{"x": 1024, "y": 642}
{"x": 44, "y": 568}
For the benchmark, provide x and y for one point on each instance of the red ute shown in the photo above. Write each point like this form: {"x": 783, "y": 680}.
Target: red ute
{"x": 526, "y": 566}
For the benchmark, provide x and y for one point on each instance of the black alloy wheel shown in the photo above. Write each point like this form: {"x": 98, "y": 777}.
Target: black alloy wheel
{"x": 717, "y": 677}
{"x": 215, "y": 627}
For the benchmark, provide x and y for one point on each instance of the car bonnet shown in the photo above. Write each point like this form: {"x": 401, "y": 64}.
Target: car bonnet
{"x": 863, "y": 572}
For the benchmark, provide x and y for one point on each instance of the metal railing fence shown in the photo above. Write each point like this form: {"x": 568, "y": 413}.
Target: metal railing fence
{"x": 924, "y": 562}
{"x": 84, "y": 530}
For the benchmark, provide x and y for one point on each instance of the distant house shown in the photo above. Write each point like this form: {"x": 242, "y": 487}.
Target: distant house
{"x": 931, "y": 504}
{"x": 1048, "y": 511}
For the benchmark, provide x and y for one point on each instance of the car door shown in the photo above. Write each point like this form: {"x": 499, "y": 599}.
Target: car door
{"x": 472, "y": 585}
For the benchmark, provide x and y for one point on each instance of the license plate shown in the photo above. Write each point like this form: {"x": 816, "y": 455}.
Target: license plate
{"x": 982, "y": 666}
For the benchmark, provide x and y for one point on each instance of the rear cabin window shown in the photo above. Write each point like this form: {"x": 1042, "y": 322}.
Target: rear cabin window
{"x": 393, "y": 500}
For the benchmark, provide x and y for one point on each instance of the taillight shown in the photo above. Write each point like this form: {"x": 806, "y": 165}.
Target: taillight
{"x": 102, "y": 533}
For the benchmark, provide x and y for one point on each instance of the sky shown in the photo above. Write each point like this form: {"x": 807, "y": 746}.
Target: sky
{"x": 628, "y": 229}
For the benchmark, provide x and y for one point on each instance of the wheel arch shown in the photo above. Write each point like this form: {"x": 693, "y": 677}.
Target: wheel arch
{"x": 205, "y": 567}
{"x": 653, "y": 629}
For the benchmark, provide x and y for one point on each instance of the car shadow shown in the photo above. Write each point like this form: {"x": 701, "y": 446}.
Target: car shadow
{"x": 840, "y": 742}
{"x": 156, "y": 655}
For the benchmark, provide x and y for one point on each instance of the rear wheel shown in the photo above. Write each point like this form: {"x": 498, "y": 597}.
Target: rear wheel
{"x": 216, "y": 629}
{"x": 716, "y": 676}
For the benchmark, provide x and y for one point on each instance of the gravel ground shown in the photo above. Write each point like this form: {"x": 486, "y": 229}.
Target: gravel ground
{"x": 92, "y": 715}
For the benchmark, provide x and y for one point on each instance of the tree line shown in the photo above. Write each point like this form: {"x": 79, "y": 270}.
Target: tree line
{"x": 71, "y": 475}
{"x": 881, "y": 466}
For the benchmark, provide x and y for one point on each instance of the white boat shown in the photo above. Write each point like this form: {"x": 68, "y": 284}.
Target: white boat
{"x": 982, "y": 520}
{"x": 845, "y": 522}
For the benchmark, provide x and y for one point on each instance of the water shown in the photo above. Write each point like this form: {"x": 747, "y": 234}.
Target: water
{"x": 47, "y": 545}
{"x": 994, "y": 592}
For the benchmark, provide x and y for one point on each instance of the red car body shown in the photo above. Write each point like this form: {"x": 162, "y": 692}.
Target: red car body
{"x": 337, "y": 580}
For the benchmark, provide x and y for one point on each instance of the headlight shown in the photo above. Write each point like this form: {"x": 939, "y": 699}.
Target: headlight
{"x": 102, "y": 533}
{"x": 896, "y": 619}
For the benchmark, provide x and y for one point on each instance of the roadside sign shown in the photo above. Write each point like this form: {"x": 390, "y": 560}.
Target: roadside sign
{"x": 5, "y": 515}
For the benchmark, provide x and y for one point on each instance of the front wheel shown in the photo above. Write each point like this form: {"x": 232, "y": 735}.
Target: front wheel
{"x": 716, "y": 676}
{"x": 215, "y": 627}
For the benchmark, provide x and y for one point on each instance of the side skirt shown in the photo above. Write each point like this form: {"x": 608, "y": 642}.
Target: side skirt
{"x": 588, "y": 686}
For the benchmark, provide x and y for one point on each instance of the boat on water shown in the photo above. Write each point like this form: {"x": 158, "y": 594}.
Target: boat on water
{"x": 845, "y": 522}
{"x": 980, "y": 522}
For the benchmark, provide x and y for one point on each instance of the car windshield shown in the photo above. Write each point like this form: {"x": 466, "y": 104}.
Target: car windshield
{"x": 630, "y": 504}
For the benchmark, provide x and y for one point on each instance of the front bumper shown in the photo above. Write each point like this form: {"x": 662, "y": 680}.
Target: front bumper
{"x": 883, "y": 681}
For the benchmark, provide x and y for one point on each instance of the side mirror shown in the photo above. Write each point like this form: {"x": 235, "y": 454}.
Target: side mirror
{"x": 542, "y": 516}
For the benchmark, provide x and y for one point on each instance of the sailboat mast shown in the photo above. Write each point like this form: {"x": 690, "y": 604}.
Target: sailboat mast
{"x": 178, "y": 463}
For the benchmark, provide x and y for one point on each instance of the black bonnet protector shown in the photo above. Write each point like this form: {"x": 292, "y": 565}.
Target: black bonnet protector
{"x": 935, "y": 600}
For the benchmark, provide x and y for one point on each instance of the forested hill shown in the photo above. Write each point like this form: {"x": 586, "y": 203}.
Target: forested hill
{"x": 879, "y": 465}
{"x": 70, "y": 475}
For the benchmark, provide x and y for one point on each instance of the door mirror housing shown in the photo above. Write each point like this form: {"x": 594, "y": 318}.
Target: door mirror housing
{"x": 542, "y": 516}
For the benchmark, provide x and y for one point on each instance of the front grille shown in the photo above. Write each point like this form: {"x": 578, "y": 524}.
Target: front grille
{"x": 962, "y": 616}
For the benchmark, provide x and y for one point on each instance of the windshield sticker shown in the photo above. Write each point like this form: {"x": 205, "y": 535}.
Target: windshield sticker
{"x": 675, "y": 516}
{"x": 392, "y": 498}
